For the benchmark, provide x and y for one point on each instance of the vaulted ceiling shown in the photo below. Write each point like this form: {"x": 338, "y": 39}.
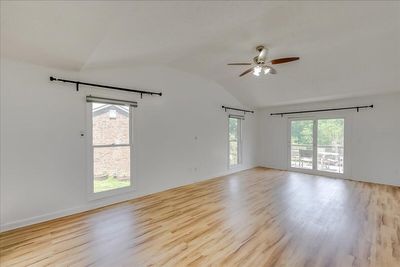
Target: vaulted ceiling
{"x": 346, "y": 48}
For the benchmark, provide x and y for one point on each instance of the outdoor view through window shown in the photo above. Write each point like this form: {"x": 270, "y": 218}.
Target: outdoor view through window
{"x": 111, "y": 146}
{"x": 234, "y": 141}
{"x": 318, "y": 144}
{"x": 330, "y": 146}
{"x": 302, "y": 144}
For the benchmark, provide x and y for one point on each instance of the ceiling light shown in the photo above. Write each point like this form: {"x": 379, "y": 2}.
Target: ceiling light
{"x": 257, "y": 70}
{"x": 267, "y": 70}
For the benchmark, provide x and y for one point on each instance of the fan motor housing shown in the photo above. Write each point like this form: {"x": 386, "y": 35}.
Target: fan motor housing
{"x": 258, "y": 60}
{"x": 255, "y": 59}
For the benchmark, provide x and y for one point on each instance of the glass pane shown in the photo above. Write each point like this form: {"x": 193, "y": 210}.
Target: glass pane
{"x": 111, "y": 168}
{"x": 330, "y": 145}
{"x": 302, "y": 144}
{"x": 233, "y": 153}
{"x": 110, "y": 124}
{"x": 233, "y": 129}
{"x": 234, "y": 141}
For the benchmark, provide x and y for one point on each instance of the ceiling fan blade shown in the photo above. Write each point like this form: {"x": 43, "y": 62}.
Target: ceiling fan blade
{"x": 284, "y": 60}
{"x": 239, "y": 64}
{"x": 246, "y": 71}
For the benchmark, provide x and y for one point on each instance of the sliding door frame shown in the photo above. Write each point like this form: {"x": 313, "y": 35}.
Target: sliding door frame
{"x": 346, "y": 142}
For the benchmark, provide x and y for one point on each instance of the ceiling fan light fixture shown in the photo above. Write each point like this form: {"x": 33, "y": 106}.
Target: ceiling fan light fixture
{"x": 257, "y": 70}
{"x": 261, "y": 63}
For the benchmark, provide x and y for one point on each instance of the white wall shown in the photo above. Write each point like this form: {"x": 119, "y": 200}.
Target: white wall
{"x": 43, "y": 162}
{"x": 373, "y": 145}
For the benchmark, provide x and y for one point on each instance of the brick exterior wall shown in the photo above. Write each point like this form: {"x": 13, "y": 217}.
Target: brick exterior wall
{"x": 111, "y": 161}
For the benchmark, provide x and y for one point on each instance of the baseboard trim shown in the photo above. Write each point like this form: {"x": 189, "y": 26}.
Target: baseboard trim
{"x": 90, "y": 205}
{"x": 332, "y": 176}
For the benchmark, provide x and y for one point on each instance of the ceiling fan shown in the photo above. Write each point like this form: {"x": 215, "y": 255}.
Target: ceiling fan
{"x": 261, "y": 64}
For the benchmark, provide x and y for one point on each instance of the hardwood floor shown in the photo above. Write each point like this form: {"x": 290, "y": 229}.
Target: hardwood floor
{"x": 259, "y": 217}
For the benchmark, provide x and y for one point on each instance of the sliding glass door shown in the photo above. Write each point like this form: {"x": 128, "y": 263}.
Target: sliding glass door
{"x": 330, "y": 145}
{"x": 317, "y": 145}
{"x": 301, "y": 149}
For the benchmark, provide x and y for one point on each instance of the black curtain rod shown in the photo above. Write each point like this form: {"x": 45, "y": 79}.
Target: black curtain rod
{"x": 106, "y": 86}
{"x": 238, "y": 109}
{"x": 321, "y": 110}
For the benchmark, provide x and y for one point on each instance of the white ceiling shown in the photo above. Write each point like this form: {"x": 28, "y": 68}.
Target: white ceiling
{"x": 346, "y": 48}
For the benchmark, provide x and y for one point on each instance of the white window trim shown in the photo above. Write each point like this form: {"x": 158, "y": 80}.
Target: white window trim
{"x": 347, "y": 145}
{"x": 240, "y": 145}
{"x": 91, "y": 195}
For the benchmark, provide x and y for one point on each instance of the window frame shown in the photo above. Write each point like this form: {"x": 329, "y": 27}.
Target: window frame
{"x": 346, "y": 145}
{"x": 240, "y": 135}
{"x": 91, "y": 195}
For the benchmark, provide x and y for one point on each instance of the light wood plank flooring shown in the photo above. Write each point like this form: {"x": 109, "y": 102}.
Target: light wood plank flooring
{"x": 258, "y": 217}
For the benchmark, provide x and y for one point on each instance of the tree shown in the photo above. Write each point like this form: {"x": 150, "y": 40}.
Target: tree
{"x": 330, "y": 132}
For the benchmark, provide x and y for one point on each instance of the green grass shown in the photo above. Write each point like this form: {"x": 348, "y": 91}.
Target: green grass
{"x": 109, "y": 183}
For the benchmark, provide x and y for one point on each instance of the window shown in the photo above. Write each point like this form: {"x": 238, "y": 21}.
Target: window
{"x": 111, "y": 147}
{"x": 235, "y": 136}
{"x": 317, "y": 144}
